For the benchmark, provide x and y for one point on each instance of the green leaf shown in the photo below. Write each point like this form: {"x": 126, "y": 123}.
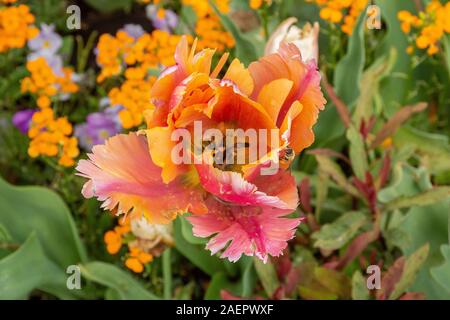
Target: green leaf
{"x": 335, "y": 235}
{"x": 186, "y": 230}
{"x": 412, "y": 266}
{"x": 110, "y": 6}
{"x": 442, "y": 273}
{"x": 446, "y": 44}
{"x": 358, "y": 156}
{"x": 359, "y": 287}
{"x": 347, "y": 76}
{"x": 195, "y": 253}
{"x": 36, "y": 209}
{"x": 335, "y": 172}
{"x": 245, "y": 49}
{"x": 335, "y": 281}
{"x": 219, "y": 282}
{"x": 268, "y": 276}
{"x": 27, "y": 269}
{"x": 400, "y": 75}
{"x": 432, "y": 196}
{"x": 369, "y": 86}
{"x": 426, "y": 224}
{"x": 124, "y": 285}
{"x": 433, "y": 149}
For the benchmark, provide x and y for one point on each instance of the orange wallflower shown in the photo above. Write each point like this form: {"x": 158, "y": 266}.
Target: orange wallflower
{"x": 345, "y": 11}
{"x": 429, "y": 26}
{"x": 16, "y": 27}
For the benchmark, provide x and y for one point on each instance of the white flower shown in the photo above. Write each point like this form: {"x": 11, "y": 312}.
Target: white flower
{"x": 306, "y": 39}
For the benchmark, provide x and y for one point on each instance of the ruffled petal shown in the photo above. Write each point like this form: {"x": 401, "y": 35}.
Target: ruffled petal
{"x": 122, "y": 174}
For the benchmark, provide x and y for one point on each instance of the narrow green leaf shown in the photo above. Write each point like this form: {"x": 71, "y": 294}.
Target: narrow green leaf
{"x": 245, "y": 50}
{"x": 432, "y": 196}
{"x": 358, "y": 155}
{"x": 268, "y": 276}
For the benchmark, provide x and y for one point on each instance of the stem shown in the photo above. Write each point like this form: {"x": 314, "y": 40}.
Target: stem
{"x": 167, "y": 274}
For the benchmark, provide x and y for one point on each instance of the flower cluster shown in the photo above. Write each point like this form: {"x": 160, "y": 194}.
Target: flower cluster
{"x": 16, "y": 27}
{"x": 144, "y": 241}
{"x": 429, "y": 26}
{"x": 242, "y": 207}
{"x": 336, "y": 11}
{"x": 51, "y": 137}
{"x": 208, "y": 28}
{"x": 257, "y": 4}
{"x": 45, "y": 84}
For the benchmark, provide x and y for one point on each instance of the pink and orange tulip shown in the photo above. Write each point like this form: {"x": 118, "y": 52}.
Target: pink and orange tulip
{"x": 243, "y": 210}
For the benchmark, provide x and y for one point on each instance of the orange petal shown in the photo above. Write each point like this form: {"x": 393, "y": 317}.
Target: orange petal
{"x": 240, "y": 76}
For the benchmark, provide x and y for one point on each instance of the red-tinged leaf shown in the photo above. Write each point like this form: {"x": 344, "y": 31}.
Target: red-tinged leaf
{"x": 283, "y": 265}
{"x": 356, "y": 247}
{"x": 305, "y": 195}
{"x": 279, "y": 294}
{"x": 367, "y": 126}
{"x": 412, "y": 296}
{"x": 341, "y": 107}
{"x": 391, "y": 278}
{"x": 292, "y": 281}
{"x": 384, "y": 171}
{"x": 395, "y": 122}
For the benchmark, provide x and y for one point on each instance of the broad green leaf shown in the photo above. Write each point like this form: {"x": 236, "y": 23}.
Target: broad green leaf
{"x": 248, "y": 277}
{"x": 359, "y": 287}
{"x": 426, "y": 224}
{"x": 24, "y": 210}
{"x": 358, "y": 156}
{"x": 347, "y": 76}
{"x": 442, "y": 273}
{"x": 268, "y": 276}
{"x": 198, "y": 255}
{"x": 245, "y": 50}
{"x": 124, "y": 285}
{"x": 29, "y": 268}
{"x": 335, "y": 235}
{"x": 186, "y": 230}
{"x": 399, "y": 77}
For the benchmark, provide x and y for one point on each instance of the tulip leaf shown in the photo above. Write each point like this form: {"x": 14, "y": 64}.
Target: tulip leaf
{"x": 348, "y": 74}
{"x": 195, "y": 253}
{"x": 36, "y": 209}
{"x": 124, "y": 285}
{"x": 245, "y": 49}
{"x": 442, "y": 273}
{"x": 29, "y": 268}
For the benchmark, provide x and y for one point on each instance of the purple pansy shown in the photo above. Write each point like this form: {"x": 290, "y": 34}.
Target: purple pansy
{"x": 98, "y": 127}
{"x": 47, "y": 42}
{"x": 133, "y": 30}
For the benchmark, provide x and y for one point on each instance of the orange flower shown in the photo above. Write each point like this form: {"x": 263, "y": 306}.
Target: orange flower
{"x": 138, "y": 259}
{"x": 16, "y": 27}
{"x": 113, "y": 241}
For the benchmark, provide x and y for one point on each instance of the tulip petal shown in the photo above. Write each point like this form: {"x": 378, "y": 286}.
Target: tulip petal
{"x": 122, "y": 174}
